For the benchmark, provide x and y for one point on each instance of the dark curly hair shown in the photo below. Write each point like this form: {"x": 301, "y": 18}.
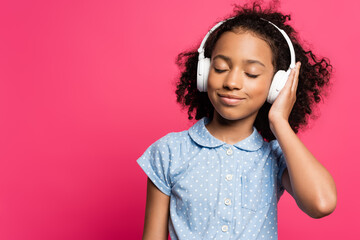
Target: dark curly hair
{"x": 313, "y": 77}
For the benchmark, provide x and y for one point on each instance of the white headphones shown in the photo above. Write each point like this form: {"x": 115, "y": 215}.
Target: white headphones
{"x": 279, "y": 78}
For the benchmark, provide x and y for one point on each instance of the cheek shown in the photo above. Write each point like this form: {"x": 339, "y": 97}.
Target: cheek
{"x": 213, "y": 82}
{"x": 261, "y": 87}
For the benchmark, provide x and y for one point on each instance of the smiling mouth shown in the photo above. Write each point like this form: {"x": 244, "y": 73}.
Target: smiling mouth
{"x": 230, "y": 99}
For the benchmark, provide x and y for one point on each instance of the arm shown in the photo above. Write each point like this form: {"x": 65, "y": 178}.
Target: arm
{"x": 156, "y": 213}
{"x": 310, "y": 184}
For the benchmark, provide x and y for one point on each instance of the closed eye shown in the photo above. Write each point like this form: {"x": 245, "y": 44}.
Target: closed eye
{"x": 251, "y": 75}
{"x": 219, "y": 70}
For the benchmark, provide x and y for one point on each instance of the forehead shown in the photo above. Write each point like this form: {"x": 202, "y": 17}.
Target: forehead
{"x": 240, "y": 45}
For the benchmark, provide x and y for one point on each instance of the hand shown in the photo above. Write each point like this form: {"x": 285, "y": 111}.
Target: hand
{"x": 281, "y": 108}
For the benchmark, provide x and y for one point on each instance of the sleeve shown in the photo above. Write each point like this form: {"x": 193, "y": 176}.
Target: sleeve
{"x": 281, "y": 163}
{"x": 155, "y": 163}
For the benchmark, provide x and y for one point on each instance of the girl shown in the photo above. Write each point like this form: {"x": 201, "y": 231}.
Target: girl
{"x": 222, "y": 178}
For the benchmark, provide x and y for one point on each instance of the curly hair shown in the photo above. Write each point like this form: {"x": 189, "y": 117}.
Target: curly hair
{"x": 314, "y": 73}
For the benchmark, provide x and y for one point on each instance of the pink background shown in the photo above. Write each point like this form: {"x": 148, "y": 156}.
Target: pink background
{"x": 87, "y": 86}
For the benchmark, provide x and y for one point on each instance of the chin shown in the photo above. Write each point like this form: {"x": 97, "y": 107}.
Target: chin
{"x": 234, "y": 115}
{"x": 230, "y": 116}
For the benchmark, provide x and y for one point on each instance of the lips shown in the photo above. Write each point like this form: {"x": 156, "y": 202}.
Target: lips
{"x": 230, "y": 99}
{"x": 231, "y": 96}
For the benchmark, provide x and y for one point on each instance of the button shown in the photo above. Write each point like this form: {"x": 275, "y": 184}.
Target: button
{"x": 227, "y": 201}
{"x": 229, "y": 177}
{"x": 224, "y": 228}
{"x": 229, "y": 151}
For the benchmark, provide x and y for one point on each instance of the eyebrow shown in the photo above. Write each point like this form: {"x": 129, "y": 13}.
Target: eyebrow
{"x": 250, "y": 61}
{"x": 228, "y": 60}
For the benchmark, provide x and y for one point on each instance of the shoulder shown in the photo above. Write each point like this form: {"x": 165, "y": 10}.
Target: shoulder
{"x": 271, "y": 148}
{"x": 175, "y": 146}
{"x": 170, "y": 145}
{"x": 176, "y": 137}
{"x": 173, "y": 139}
{"x": 275, "y": 148}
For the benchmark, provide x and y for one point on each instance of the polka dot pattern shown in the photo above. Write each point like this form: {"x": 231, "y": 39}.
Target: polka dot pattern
{"x": 217, "y": 190}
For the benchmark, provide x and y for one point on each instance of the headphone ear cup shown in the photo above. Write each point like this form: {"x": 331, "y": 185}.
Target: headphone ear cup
{"x": 277, "y": 84}
{"x": 203, "y": 69}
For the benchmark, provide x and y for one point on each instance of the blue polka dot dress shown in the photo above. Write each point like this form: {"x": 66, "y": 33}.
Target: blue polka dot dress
{"x": 217, "y": 190}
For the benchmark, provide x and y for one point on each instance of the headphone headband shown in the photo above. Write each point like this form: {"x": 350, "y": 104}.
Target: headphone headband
{"x": 291, "y": 47}
{"x": 201, "y": 49}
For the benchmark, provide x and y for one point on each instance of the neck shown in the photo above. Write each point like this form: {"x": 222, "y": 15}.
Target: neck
{"x": 230, "y": 131}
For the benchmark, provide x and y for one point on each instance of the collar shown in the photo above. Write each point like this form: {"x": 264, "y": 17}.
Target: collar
{"x": 199, "y": 134}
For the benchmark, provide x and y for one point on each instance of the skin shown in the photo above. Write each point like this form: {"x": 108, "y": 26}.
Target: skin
{"x": 241, "y": 68}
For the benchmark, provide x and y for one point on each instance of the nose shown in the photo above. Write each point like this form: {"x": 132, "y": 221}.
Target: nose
{"x": 233, "y": 80}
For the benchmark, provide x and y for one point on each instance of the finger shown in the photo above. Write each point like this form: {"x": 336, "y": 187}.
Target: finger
{"x": 289, "y": 80}
{"x": 296, "y": 77}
